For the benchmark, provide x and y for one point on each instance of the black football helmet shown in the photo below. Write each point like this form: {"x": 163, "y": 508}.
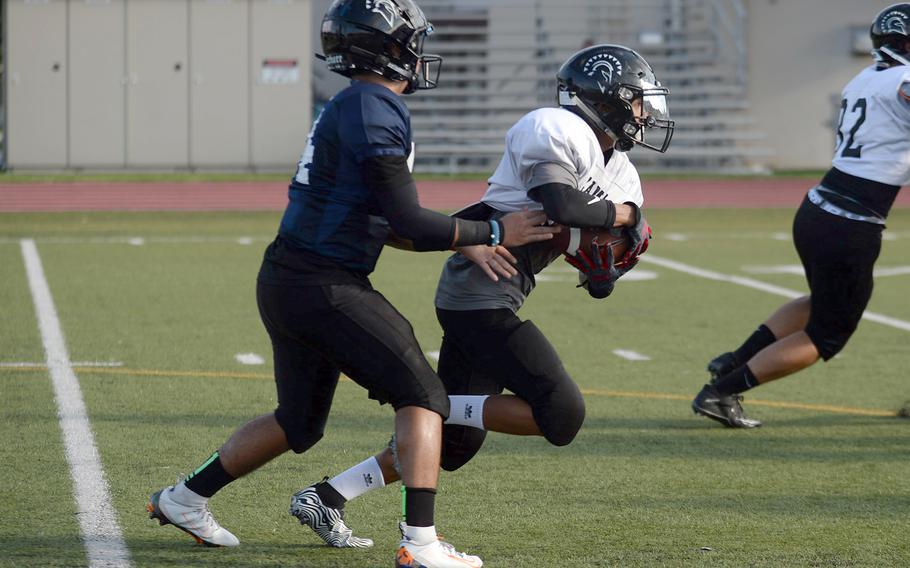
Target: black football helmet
{"x": 380, "y": 36}
{"x": 605, "y": 84}
{"x": 890, "y": 36}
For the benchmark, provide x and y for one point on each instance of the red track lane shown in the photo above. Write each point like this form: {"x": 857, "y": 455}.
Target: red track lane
{"x": 746, "y": 193}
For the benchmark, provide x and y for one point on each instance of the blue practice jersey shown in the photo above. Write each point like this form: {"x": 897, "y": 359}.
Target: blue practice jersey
{"x": 332, "y": 220}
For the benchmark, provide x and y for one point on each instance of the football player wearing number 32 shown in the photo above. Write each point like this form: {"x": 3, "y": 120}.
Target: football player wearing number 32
{"x": 837, "y": 231}
{"x": 569, "y": 162}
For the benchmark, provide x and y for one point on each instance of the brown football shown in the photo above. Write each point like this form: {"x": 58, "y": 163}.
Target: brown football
{"x": 571, "y": 239}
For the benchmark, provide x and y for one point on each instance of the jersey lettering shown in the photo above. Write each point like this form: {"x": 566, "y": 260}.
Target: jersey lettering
{"x": 849, "y": 151}
{"x": 593, "y": 189}
{"x": 306, "y": 159}
{"x": 411, "y": 157}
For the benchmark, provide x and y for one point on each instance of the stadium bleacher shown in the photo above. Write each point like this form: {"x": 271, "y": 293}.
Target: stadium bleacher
{"x": 501, "y": 57}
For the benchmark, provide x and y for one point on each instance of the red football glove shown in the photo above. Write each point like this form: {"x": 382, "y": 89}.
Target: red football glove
{"x": 599, "y": 269}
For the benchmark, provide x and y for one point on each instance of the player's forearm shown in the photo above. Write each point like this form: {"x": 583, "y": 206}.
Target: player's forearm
{"x": 568, "y": 206}
{"x": 426, "y": 230}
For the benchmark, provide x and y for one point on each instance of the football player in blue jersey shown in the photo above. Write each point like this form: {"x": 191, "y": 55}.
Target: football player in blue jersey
{"x": 352, "y": 193}
{"x": 837, "y": 231}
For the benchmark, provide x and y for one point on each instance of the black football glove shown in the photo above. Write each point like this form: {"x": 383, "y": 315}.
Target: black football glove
{"x": 599, "y": 269}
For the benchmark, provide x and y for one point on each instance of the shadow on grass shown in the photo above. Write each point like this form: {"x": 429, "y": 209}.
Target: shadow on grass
{"x": 816, "y": 439}
{"x": 339, "y": 419}
{"x": 55, "y": 551}
{"x": 253, "y": 553}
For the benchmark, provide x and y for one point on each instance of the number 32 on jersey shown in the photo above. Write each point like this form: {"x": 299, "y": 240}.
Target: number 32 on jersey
{"x": 852, "y": 117}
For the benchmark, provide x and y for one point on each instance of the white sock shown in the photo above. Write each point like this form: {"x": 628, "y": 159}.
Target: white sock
{"x": 361, "y": 478}
{"x": 186, "y": 496}
{"x": 419, "y": 535}
{"x": 466, "y": 410}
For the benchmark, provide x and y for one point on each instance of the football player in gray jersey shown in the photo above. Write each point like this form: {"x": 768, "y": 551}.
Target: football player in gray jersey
{"x": 837, "y": 231}
{"x": 569, "y": 162}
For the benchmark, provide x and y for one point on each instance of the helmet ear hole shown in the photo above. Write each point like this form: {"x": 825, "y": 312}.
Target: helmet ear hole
{"x": 625, "y": 93}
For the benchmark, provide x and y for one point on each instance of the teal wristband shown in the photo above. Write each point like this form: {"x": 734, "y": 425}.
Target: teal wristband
{"x": 495, "y": 233}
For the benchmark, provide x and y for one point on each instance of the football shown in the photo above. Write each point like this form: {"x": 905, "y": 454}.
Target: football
{"x": 571, "y": 239}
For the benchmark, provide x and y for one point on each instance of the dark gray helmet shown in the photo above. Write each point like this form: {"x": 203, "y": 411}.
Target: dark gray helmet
{"x": 603, "y": 82}
{"x": 380, "y": 36}
{"x": 890, "y": 34}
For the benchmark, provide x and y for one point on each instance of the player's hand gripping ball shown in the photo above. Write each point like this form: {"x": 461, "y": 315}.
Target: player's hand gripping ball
{"x": 572, "y": 239}
{"x": 594, "y": 252}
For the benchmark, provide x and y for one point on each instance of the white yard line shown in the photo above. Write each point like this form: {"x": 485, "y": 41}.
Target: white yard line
{"x": 249, "y": 359}
{"x": 797, "y": 270}
{"x": 630, "y": 355}
{"x": 104, "y": 544}
{"x": 759, "y": 285}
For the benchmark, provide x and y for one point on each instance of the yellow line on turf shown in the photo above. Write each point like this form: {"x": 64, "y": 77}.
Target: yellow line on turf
{"x": 167, "y": 373}
{"x": 752, "y": 402}
{"x": 590, "y": 392}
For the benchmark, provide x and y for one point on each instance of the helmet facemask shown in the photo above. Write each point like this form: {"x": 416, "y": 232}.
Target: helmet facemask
{"x": 636, "y": 115}
{"x": 883, "y": 53}
{"x": 422, "y": 69}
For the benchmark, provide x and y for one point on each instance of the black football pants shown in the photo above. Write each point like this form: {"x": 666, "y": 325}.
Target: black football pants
{"x": 318, "y": 332}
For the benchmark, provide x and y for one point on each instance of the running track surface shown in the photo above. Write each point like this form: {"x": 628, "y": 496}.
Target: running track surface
{"x": 745, "y": 193}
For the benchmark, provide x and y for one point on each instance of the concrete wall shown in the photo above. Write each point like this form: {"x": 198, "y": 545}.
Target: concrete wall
{"x": 800, "y": 58}
{"x": 157, "y": 84}
{"x": 176, "y": 84}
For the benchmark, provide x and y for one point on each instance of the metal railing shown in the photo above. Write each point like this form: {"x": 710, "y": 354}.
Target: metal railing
{"x": 502, "y": 57}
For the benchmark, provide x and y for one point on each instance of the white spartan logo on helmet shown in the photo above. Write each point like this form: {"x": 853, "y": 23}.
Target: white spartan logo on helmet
{"x": 893, "y": 23}
{"x": 385, "y": 8}
{"x": 607, "y": 65}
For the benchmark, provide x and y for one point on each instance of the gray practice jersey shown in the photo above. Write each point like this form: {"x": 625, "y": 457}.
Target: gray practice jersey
{"x": 549, "y": 145}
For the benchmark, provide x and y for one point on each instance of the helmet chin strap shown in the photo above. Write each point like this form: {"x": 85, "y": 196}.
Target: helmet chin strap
{"x": 568, "y": 99}
{"x": 893, "y": 55}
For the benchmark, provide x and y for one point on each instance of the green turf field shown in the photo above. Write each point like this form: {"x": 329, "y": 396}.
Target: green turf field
{"x": 170, "y": 296}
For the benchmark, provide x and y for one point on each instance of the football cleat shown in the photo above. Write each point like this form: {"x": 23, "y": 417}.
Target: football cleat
{"x": 725, "y": 409}
{"x": 193, "y": 518}
{"x": 325, "y": 521}
{"x": 721, "y": 365}
{"x": 436, "y": 554}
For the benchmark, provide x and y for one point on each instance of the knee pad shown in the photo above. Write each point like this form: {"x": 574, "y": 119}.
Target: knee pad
{"x": 560, "y": 414}
{"x": 301, "y": 434}
{"x": 459, "y": 445}
{"x": 556, "y": 401}
{"x": 828, "y": 341}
